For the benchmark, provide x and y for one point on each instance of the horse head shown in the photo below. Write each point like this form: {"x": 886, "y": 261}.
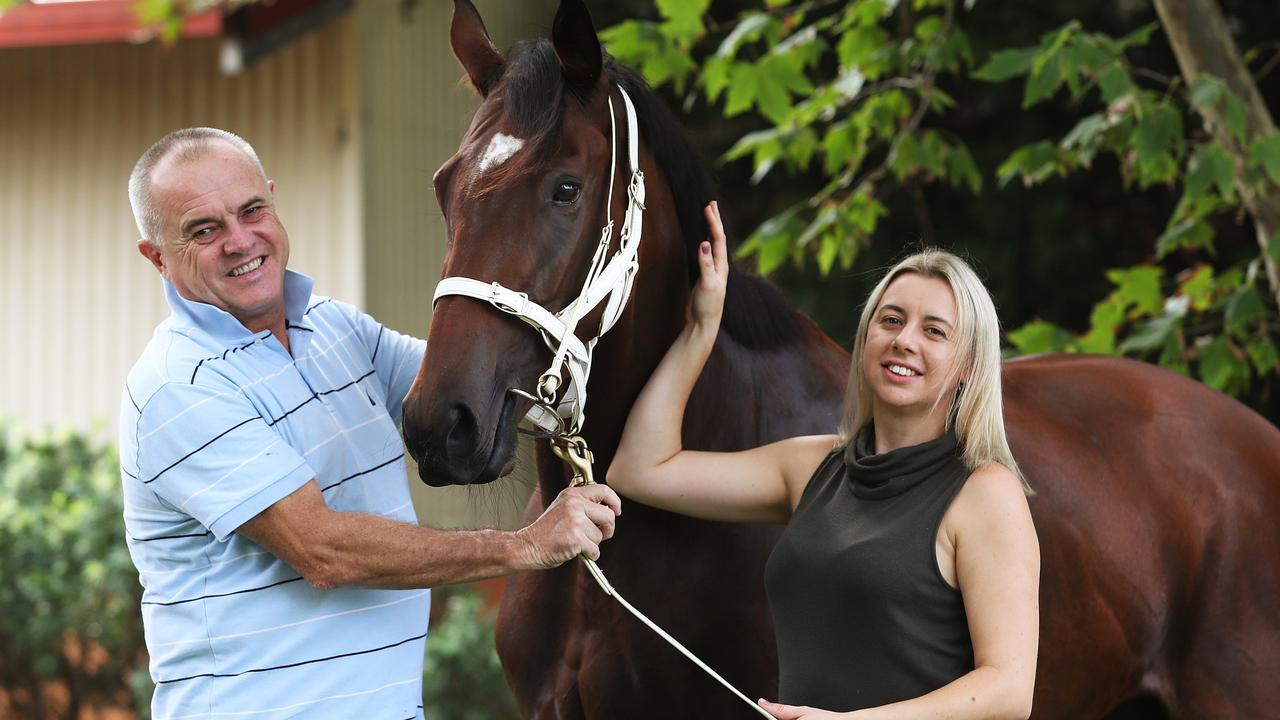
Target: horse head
{"x": 524, "y": 201}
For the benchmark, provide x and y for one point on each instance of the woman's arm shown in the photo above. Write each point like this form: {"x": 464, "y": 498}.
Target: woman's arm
{"x": 759, "y": 485}
{"x": 997, "y": 560}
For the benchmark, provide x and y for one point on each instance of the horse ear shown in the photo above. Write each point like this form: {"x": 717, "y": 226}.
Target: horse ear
{"x": 473, "y": 48}
{"x": 574, "y": 38}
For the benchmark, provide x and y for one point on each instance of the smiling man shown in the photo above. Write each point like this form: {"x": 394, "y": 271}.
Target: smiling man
{"x": 266, "y": 501}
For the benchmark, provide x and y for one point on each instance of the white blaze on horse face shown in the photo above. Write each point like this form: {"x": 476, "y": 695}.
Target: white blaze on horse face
{"x": 501, "y": 148}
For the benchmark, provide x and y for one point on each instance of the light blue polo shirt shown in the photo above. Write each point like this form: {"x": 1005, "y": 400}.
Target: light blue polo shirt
{"x": 217, "y": 424}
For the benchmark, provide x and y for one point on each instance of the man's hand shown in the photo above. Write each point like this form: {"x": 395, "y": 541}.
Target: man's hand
{"x": 575, "y": 524}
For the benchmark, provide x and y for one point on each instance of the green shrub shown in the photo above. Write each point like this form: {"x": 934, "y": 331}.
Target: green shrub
{"x": 69, "y": 600}
{"x": 462, "y": 679}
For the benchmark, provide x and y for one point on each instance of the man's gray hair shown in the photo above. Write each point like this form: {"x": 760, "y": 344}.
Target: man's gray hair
{"x": 186, "y": 144}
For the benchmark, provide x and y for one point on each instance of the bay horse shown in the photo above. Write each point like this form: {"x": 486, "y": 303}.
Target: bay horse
{"x": 1157, "y": 498}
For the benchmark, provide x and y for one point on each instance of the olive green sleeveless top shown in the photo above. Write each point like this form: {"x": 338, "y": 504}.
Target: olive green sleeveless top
{"x": 861, "y": 612}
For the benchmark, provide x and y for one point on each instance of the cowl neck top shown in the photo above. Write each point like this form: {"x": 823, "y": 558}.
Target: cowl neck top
{"x": 874, "y": 476}
{"x": 861, "y": 612}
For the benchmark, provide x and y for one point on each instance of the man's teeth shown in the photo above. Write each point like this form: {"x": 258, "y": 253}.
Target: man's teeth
{"x": 247, "y": 267}
{"x": 905, "y": 372}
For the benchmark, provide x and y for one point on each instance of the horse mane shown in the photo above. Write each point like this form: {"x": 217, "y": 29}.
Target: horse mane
{"x": 533, "y": 90}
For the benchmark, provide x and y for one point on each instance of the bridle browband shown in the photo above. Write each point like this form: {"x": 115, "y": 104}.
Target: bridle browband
{"x": 609, "y": 282}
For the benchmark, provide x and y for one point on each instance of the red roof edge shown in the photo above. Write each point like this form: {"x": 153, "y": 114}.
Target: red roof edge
{"x": 89, "y": 21}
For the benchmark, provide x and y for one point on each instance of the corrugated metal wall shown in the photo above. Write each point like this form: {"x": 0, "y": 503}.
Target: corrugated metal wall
{"x": 79, "y": 302}
{"x": 415, "y": 113}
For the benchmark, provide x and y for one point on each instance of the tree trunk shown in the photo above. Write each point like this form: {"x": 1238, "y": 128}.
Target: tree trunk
{"x": 1201, "y": 42}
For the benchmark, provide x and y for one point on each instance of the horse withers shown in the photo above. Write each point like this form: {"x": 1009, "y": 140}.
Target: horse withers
{"x": 1156, "y": 496}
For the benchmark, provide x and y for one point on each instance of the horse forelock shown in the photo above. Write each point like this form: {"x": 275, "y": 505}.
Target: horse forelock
{"x": 532, "y": 92}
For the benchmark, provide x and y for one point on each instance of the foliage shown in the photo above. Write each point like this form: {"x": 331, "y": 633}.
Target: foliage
{"x": 1206, "y": 314}
{"x": 852, "y": 92}
{"x": 462, "y": 679}
{"x": 70, "y": 595}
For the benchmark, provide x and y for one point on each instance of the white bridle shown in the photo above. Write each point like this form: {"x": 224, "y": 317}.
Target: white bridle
{"x": 609, "y": 281}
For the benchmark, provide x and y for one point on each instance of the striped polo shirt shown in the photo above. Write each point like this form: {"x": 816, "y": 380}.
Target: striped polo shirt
{"x": 218, "y": 423}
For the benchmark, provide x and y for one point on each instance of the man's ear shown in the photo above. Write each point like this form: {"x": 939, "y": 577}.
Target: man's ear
{"x": 152, "y": 253}
{"x": 271, "y": 188}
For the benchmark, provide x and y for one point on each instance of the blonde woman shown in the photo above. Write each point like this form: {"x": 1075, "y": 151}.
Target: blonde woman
{"x": 905, "y": 584}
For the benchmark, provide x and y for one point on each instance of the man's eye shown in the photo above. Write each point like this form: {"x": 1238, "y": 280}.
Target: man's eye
{"x": 204, "y": 234}
{"x": 566, "y": 193}
{"x": 251, "y": 211}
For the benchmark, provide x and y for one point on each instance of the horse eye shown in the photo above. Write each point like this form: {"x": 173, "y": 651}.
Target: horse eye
{"x": 566, "y": 192}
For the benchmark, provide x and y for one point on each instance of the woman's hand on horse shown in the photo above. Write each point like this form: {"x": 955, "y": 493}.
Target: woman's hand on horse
{"x": 707, "y": 301}
{"x": 574, "y": 524}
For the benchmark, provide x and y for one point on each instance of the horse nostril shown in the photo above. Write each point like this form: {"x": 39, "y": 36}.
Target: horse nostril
{"x": 460, "y": 441}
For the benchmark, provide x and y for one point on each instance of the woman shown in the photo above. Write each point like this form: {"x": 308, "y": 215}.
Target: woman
{"x": 906, "y": 582}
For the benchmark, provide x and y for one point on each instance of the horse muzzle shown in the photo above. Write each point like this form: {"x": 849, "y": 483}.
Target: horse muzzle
{"x": 455, "y": 446}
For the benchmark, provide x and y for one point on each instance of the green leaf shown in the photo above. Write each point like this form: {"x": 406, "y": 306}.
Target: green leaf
{"x": 669, "y": 65}
{"x": 684, "y": 17}
{"x": 828, "y": 250}
{"x": 1185, "y": 235}
{"x": 1140, "y": 287}
{"x": 1034, "y": 163}
{"x": 742, "y": 89}
{"x": 1205, "y": 92}
{"x": 1237, "y": 122}
{"x": 858, "y": 47}
{"x": 715, "y": 76}
{"x": 861, "y": 213}
{"x": 1157, "y": 132}
{"x": 1243, "y": 308}
{"x": 961, "y": 169}
{"x": 1086, "y": 132}
{"x": 1138, "y": 37}
{"x": 1265, "y": 151}
{"x": 824, "y": 220}
{"x": 771, "y": 242}
{"x": 1045, "y": 78}
{"x": 928, "y": 28}
{"x": 1198, "y": 288}
{"x": 1114, "y": 83}
{"x": 1273, "y": 247}
{"x": 800, "y": 148}
{"x": 1221, "y": 369}
{"x": 1153, "y": 334}
{"x": 1211, "y": 165}
{"x": 844, "y": 145}
{"x": 1103, "y": 321}
{"x": 1262, "y": 351}
{"x": 1039, "y": 336}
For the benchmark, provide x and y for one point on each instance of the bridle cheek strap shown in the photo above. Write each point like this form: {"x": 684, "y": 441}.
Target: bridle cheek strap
{"x": 609, "y": 282}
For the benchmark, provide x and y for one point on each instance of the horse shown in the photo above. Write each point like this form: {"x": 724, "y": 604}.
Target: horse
{"x": 1155, "y": 496}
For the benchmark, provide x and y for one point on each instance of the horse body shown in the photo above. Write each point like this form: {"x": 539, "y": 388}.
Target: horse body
{"x": 1156, "y": 496}
{"x": 1155, "y": 505}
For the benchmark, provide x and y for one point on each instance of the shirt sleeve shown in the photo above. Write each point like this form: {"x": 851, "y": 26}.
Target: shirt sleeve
{"x": 206, "y": 451}
{"x": 396, "y": 358}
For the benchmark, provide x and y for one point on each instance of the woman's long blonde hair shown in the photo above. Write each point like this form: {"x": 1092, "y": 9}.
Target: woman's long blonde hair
{"x": 978, "y": 413}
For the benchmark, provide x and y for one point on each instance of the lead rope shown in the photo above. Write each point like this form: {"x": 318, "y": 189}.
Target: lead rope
{"x": 572, "y": 449}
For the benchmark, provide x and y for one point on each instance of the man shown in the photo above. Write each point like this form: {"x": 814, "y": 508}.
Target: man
{"x": 266, "y": 503}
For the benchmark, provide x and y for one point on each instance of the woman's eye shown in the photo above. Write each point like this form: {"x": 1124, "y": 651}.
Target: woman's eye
{"x": 566, "y": 193}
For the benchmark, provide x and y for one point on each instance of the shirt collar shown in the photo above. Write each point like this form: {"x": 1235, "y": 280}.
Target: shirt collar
{"x": 222, "y": 325}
